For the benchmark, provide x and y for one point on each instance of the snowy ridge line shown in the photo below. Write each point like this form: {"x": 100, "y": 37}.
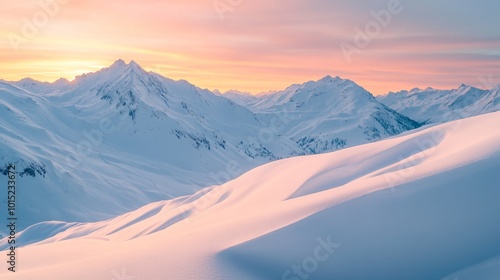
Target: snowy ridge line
{"x": 440, "y": 106}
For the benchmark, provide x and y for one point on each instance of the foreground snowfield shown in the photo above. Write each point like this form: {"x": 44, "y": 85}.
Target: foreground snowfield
{"x": 419, "y": 206}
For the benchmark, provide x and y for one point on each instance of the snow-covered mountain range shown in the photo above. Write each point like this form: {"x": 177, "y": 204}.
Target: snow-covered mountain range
{"x": 440, "y": 106}
{"x": 418, "y": 206}
{"x": 121, "y": 160}
{"x": 121, "y": 138}
{"x": 327, "y": 115}
{"x": 114, "y": 140}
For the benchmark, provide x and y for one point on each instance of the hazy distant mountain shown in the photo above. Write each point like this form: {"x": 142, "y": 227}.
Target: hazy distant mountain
{"x": 240, "y": 97}
{"x": 438, "y": 106}
{"x": 40, "y": 87}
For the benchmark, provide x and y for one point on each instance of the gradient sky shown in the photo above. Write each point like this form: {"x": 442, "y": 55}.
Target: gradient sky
{"x": 257, "y": 45}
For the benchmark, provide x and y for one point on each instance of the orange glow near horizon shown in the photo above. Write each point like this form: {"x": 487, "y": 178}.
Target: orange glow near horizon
{"x": 255, "y": 46}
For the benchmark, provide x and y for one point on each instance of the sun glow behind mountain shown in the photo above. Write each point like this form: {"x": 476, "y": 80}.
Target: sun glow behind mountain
{"x": 257, "y": 45}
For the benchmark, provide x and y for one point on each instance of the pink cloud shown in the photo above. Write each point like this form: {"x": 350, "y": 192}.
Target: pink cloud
{"x": 260, "y": 45}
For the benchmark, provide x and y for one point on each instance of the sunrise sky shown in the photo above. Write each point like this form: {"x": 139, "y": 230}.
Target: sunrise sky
{"x": 257, "y": 45}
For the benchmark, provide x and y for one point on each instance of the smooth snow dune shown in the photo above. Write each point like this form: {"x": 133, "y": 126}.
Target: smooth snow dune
{"x": 419, "y": 206}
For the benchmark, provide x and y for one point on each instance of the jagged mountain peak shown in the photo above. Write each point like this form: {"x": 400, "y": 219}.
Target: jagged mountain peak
{"x": 471, "y": 90}
{"x": 120, "y": 76}
{"x": 132, "y": 63}
{"x": 335, "y": 89}
{"x": 117, "y": 69}
{"x": 122, "y": 68}
{"x": 119, "y": 64}
{"x": 61, "y": 81}
{"x": 29, "y": 80}
{"x": 329, "y": 85}
{"x": 329, "y": 78}
{"x": 464, "y": 86}
{"x": 413, "y": 91}
{"x": 135, "y": 68}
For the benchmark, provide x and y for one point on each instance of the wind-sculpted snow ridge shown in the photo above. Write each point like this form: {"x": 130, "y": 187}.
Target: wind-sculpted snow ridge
{"x": 419, "y": 206}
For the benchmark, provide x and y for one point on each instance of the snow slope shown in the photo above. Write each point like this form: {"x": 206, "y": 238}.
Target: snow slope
{"x": 419, "y": 206}
{"x": 440, "y": 106}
